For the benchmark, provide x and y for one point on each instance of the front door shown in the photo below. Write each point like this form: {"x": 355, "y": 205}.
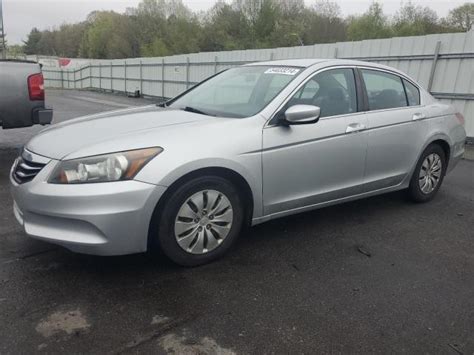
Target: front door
{"x": 304, "y": 165}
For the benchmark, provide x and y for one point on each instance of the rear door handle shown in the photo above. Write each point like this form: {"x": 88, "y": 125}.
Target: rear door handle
{"x": 355, "y": 127}
{"x": 418, "y": 116}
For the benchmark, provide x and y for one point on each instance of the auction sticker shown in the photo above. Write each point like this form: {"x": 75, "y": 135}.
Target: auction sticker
{"x": 282, "y": 70}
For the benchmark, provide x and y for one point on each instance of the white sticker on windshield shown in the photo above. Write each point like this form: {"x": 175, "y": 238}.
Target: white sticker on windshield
{"x": 282, "y": 70}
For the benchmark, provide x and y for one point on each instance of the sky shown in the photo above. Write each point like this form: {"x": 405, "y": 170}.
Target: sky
{"x": 20, "y": 16}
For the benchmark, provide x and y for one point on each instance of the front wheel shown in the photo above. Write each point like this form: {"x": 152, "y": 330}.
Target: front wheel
{"x": 200, "y": 221}
{"x": 428, "y": 175}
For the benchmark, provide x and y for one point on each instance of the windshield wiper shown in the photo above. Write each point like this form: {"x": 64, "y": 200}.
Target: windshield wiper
{"x": 195, "y": 110}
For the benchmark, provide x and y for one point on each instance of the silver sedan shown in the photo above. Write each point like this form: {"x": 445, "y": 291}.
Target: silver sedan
{"x": 250, "y": 144}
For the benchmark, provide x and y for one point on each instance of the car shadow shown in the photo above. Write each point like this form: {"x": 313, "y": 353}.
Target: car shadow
{"x": 253, "y": 241}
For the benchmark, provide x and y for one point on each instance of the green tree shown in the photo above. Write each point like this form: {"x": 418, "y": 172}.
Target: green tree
{"x": 31, "y": 43}
{"x": 157, "y": 48}
{"x": 68, "y": 39}
{"x": 261, "y": 17}
{"x": 166, "y": 27}
{"x": 47, "y": 43}
{"x": 108, "y": 35}
{"x": 413, "y": 20}
{"x": 224, "y": 28}
{"x": 16, "y": 50}
{"x": 372, "y": 24}
{"x": 462, "y": 17}
{"x": 323, "y": 23}
{"x": 183, "y": 35}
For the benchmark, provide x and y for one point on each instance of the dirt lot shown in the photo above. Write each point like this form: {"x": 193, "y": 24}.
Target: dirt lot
{"x": 378, "y": 275}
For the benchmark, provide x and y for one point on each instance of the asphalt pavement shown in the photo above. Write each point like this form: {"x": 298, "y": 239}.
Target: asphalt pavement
{"x": 380, "y": 275}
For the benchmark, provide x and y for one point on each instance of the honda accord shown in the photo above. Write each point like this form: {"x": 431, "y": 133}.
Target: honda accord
{"x": 245, "y": 146}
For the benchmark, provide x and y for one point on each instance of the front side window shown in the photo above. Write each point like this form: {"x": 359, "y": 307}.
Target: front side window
{"x": 333, "y": 91}
{"x": 237, "y": 92}
{"x": 413, "y": 94}
{"x": 384, "y": 90}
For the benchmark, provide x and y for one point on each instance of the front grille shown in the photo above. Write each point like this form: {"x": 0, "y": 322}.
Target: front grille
{"x": 26, "y": 170}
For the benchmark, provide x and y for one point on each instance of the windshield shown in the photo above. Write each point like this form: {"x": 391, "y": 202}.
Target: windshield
{"x": 237, "y": 92}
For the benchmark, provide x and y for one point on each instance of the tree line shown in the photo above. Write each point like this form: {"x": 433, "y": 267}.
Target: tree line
{"x": 166, "y": 27}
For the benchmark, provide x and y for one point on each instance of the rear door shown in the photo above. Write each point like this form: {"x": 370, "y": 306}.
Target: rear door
{"x": 396, "y": 128}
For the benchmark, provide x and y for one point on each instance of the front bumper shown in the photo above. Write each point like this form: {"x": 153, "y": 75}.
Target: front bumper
{"x": 101, "y": 218}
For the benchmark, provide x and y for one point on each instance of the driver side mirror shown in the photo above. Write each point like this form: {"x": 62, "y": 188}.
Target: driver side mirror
{"x": 301, "y": 114}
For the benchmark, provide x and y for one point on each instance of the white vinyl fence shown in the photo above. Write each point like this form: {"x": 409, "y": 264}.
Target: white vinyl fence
{"x": 442, "y": 63}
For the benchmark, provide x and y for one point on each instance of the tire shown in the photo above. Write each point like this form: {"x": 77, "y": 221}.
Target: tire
{"x": 212, "y": 235}
{"x": 418, "y": 191}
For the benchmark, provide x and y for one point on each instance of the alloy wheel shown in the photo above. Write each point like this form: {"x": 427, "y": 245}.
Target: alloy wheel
{"x": 430, "y": 173}
{"x": 203, "y": 221}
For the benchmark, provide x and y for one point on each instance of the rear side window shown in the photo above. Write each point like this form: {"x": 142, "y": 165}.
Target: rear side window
{"x": 384, "y": 90}
{"x": 413, "y": 94}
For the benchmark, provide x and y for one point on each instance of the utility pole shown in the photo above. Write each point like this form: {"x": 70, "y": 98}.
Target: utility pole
{"x": 3, "y": 47}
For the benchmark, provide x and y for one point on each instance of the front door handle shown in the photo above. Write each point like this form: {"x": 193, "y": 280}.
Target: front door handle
{"x": 418, "y": 116}
{"x": 355, "y": 127}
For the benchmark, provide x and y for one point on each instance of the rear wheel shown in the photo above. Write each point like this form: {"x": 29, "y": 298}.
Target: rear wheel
{"x": 428, "y": 175}
{"x": 200, "y": 221}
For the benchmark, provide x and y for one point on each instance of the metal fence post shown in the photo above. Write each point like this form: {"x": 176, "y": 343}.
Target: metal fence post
{"x": 163, "y": 78}
{"x": 100, "y": 76}
{"x": 141, "y": 78}
{"x": 187, "y": 73}
{"x": 125, "y": 75}
{"x": 272, "y": 55}
{"x": 80, "y": 76}
{"x": 216, "y": 62}
{"x": 74, "y": 72}
{"x": 433, "y": 65}
{"x": 62, "y": 78}
{"x": 335, "y": 53}
{"x": 111, "y": 77}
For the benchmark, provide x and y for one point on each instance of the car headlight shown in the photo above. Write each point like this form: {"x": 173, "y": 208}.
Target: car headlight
{"x": 103, "y": 168}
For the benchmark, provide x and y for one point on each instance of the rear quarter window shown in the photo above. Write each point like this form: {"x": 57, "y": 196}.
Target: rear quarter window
{"x": 413, "y": 94}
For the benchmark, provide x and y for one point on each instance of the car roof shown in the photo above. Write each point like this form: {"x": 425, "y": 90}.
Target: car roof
{"x": 306, "y": 63}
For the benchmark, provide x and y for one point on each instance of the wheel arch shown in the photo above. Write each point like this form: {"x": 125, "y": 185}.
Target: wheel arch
{"x": 231, "y": 175}
{"x": 440, "y": 139}
{"x": 443, "y": 141}
{"x": 445, "y": 146}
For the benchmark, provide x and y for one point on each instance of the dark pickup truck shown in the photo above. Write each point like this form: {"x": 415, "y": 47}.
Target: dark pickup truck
{"x": 22, "y": 98}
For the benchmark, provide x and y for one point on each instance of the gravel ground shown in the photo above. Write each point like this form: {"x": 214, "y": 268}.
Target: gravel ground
{"x": 380, "y": 275}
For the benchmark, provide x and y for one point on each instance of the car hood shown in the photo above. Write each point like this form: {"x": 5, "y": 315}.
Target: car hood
{"x": 60, "y": 140}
